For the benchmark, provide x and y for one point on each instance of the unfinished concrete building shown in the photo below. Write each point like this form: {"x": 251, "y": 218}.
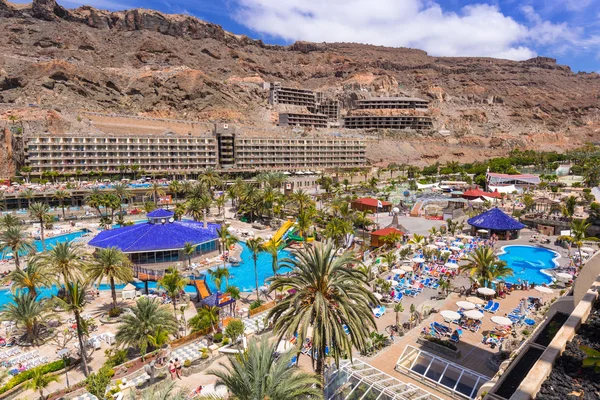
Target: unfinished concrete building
{"x": 387, "y": 122}
{"x": 396, "y": 103}
{"x": 304, "y": 120}
{"x": 328, "y": 107}
{"x": 291, "y": 96}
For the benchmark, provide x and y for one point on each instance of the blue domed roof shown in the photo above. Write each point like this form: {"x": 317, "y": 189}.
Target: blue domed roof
{"x": 495, "y": 219}
{"x": 160, "y": 213}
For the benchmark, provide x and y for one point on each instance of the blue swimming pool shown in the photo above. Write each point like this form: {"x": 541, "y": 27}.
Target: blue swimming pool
{"x": 51, "y": 242}
{"x": 527, "y": 263}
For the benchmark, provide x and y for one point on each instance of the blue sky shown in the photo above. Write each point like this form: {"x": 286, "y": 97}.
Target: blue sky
{"x": 568, "y": 30}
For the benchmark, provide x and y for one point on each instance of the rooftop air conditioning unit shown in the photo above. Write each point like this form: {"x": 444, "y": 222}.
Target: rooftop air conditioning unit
{"x": 225, "y": 126}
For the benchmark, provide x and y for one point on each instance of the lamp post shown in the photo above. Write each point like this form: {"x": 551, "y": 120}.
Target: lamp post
{"x": 63, "y": 354}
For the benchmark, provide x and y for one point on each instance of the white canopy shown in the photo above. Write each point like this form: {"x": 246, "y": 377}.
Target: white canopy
{"x": 418, "y": 260}
{"x": 503, "y": 189}
{"x": 486, "y": 291}
{"x": 465, "y": 305}
{"x": 427, "y": 186}
{"x": 406, "y": 268}
{"x": 128, "y": 291}
{"x": 455, "y": 248}
{"x": 544, "y": 289}
{"x": 473, "y": 314}
{"x": 449, "y": 314}
{"x": 451, "y": 265}
{"x": 500, "y": 320}
{"x": 432, "y": 246}
{"x": 398, "y": 271}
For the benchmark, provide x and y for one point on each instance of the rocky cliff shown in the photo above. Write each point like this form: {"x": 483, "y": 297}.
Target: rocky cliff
{"x": 148, "y": 63}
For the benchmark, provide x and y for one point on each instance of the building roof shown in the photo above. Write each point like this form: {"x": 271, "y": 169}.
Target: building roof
{"x": 217, "y": 299}
{"x": 505, "y": 178}
{"x": 386, "y": 231}
{"x": 160, "y": 213}
{"x": 368, "y": 201}
{"x": 154, "y": 237}
{"x": 495, "y": 219}
{"x": 480, "y": 193}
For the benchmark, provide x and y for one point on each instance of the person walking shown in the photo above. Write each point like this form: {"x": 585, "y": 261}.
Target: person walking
{"x": 172, "y": 369}
{"x": 177, "y": 368}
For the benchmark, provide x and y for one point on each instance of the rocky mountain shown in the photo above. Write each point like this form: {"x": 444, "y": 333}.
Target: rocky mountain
{"x": 143, "y": 62}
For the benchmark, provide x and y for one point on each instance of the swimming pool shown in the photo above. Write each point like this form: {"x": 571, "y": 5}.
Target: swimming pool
{"x": 527, "y": 263}
{"x": 51, "y": 242}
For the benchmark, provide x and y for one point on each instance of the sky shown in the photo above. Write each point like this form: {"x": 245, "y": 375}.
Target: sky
{"x": 568, "y": 30}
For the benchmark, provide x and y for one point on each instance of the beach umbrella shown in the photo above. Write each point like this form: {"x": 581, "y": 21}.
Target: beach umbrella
{"x": 588, "y": 250}
{"x": 500, "y": 320}
{"x": 544, "y": 289}
{"x": 451, "y": 238}
{"x": 455, "y": 248}
{"x": 476, "y": 300}
{"x": 564, "y": 276}
{"x": 486, "y": 291}
{"x": 398, "y": 271}
{"x": 418, "y": 260}
{"x": 432, "y": 246}
{"x": 461, "y": 236}
{"x": 440, "y": 244}
{"x": 406, "y": 268}
{"x": 451, "y": 265}
{"x": 465, "y": 305}
{"x": 468, "y": 237}
{"x": 284, "y": 346}
{"x": 445, "y": 251}
{"x": 482, "y": 231}
{"x": 473, "y": 314}
{"x": 449, "y": 314}
{"x": 378, "y": 296}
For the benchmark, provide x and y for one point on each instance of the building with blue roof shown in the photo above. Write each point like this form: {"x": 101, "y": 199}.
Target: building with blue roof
{"x": 160, "y": 240}
{"x": 496, "y": 221}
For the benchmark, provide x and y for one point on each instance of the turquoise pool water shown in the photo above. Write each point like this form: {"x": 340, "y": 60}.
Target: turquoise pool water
{"x": 51, "y": 242}
{"x": 241, "y": 276}
{"x": 527, "y": 263}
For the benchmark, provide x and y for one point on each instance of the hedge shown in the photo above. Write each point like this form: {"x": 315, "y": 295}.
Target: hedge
{"x": 27, "y": 375}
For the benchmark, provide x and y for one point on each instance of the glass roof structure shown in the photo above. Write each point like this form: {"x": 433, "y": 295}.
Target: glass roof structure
{"x": 445, "y": 376}
{"x": 360, "y": 381}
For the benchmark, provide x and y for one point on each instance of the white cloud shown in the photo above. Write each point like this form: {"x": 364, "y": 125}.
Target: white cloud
{"x": 476, "y": 30}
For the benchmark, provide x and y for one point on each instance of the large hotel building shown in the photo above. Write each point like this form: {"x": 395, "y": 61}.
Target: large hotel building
{"x": 181, "y": 154}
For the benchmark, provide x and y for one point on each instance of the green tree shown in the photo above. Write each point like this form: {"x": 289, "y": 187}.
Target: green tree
{"x": 8, "y": 220}
{"x": 96, "y": 383}
{"x": 156, "y": 190}
{"x": 218, "y": 275}
{"x": 40, "y": 211}
{"x": 207, "y": 317}
{"x": 28, "y": 313}
{"x": 15, "y": 239}
{"x": 66, "y": 261}
{"x": 61, "y": 196}
{"x": 327, "y": 294}
{"x": 173, "y": 283}
{"x": 337, "y": 229}
{"x": 255, "y": 245}
{"x": 189, "y": 249}
{"x": 398, "y": 308}
{"x": 234, "y": 329}
{"x": 122, "y": 192}
{"x": 36, "y": 276}
{"x": 40, "y": 380}
{"x": 75, "y": 303}
{"x": 484, "y": 266}
{"x": 143, "y": 320}
{"x": 256, "y": 374}
{"x": 579, "y": 228}
{"x": 113, "y": 264}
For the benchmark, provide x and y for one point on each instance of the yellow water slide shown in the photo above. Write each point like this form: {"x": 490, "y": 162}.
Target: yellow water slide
{"x": 281, "y": 231}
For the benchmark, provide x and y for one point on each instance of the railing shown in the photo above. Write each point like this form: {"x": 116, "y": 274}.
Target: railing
{"x": 260, "y": 309}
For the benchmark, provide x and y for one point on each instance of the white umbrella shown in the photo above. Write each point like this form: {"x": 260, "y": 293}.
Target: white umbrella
{"x": 378, "y": 296}
{"x": 397, "y": 271}
{"x": 284, "y": 346}
{"x": 476, "y": 300}
{"x": 544, "y": 289}
{"x": 564, "y": 276}
{"x": 482, "y": 230}
{"x": 588, "y": 249}
{"x": 486, "y": 291}
{"x": 500, "y": 320}
{"x": 468, "y": 237}
{"x": 393, "y": 282}
{"x": 473, "y": 314}
{"x": 418, "y": 260}
{"x": 461, "y": 236}
{"x": 455, "y": 248}
{"x": 440, "y": 244}
{"x": 449, "y": 314}
{"x": 465, "y": 305}
{"x": 445, "y": 251}
{"x": 451, "y": 265}
{"x": 406, "y": 268}
{"x": 432, "y": 246}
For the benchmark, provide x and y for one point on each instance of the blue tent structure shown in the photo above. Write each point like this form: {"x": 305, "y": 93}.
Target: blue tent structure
{"x": 161, "y": 239}
{"x": 217, "y": 299}
{"x": 498, "y": 222}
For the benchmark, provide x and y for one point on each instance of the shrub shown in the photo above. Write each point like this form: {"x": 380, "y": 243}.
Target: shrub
{"x": 234, "y": 329}
{"x": 441, "y": 342}
{"x": 255, "y": 304}
{"x": 114, "y": 312}
{"x": 27, "y": 375}
{"x": 218, "y": 337}
{"x": 115, "y": 357}
{"x": 187, "y": 363}
{"x": 225, "y": 341}
{"x": 526, "y": 332}
{"x": 204, "y": 354}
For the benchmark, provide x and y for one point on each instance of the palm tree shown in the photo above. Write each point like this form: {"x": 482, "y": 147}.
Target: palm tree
{"x": 8, "y": 220}
{"x": 110, "y": 263}
{"x": 168, "y": 391}
{"x": 206, "y": 317}
{"x": 327, "y": 294}
{"x": 37, "y": 275}
{"x": 579, "y": 228}
{"x": 273, "y": 249}
{"x": 255, "y": 245}
{"x": 156, "y": 190}
{"x": 195, "y": 209}
{"x": 483, "y": 266}
{"x": 40, "y": 211}
{"x": 189, "y": 249}
{"x": 61, "y": 196}
{"x": 40, "y": 380}
{"x": 16, "y": 239}
{"x": 27, "y": 194}
{"x": 28, "y": 313}
{"x": 417, "y": 240}
{"x": 305, "y": 220}
{"x": 220, "y": 203}
{"x": 337, "y": 229}
{"x": 75, "y": 302}
{"x": 390, "y": 259}
{"x": 65, "y": 260}
{"x": 218, "y": 275}
{"x": 123, "y": 193}
{"x": 398, "y": 308}
{"x": 173, "y": 283}
{"x": 256, "y": 374}
{"x": 144, "y": 319}
{"x": 301, "y": 198}
{"x": 209, "y": 179}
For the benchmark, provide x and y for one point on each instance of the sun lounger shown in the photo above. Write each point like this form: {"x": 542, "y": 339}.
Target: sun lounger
{"x": 441, "y": 328}
{"x": 494, "y": 308}
{"x": 488, "y": 305}
{"x": 456, "y": 335}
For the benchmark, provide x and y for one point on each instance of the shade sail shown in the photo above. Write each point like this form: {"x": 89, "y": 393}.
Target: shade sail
{"x": 495, "y": 219}
{"x": 155, "y": 236}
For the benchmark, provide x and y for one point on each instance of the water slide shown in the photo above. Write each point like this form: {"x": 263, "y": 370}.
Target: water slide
{"x": 287, "y": 225}
{"x": 202, "y": 288}
{"x": 416, "y": 209}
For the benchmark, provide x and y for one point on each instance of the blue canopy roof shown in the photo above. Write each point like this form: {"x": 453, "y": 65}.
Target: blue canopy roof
{"x": 217, "y": 299}
{"x": 160, "y": 213}
{"x": 155, "y": 236}
{"x": 495, "y": 219}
